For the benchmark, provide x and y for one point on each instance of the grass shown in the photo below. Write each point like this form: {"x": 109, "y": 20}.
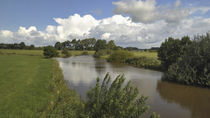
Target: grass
{"x": 40, "y": 52}
{"x": 32, "y": 86}
{"x": 146, "y": 54}
{"x": 24, "y": 85}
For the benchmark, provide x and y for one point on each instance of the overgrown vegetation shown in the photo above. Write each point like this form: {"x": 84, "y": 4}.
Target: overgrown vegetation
{"x": 114, "y": 100}
{"x": 171, "y": 50}
{"x": 65, "y": 103}
{"x": 192, "y": 66}
{"x": 120, "y": 56}
{"x": 50, "y": 51}
{"x": 66, "y": 52}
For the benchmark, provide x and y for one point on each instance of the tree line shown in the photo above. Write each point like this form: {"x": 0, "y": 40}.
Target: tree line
{"x": 20, "y": 45}
{"x": 85, "y": 44}
{"x": 186, "y": 61}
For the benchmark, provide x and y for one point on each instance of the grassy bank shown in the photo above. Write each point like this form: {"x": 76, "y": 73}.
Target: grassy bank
{"x": 32, "y": 86}
{"x": 141, "y": 59}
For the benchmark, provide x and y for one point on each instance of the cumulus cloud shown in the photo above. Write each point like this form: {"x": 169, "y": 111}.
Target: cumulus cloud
{"x": 123, "y": 30}
{"x": 148, "y": 11}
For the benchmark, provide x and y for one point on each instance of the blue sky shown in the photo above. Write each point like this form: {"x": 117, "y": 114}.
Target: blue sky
{"x": 15, "y": 13}
{"x": 40, "y": 13}
{"x": 21, "y": 18}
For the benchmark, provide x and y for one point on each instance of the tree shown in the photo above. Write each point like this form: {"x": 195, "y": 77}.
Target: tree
{"x": 171, "y": 50}
{"x": 111, "y": 45}
{"x": 100, "y": 44}
{"x": 50, "y": 51}
{"x": 114, "y": 100}
{"x": 22, "y": 45}
{"x": 194, "y": 66}
{"x": 58, "y": 46}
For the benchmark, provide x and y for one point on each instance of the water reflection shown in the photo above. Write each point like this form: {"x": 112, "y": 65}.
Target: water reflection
{"x": 167, "y": 99}
{"x": 197, "y": 100}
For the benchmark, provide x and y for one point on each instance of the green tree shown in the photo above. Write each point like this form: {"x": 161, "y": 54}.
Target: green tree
{"x": 58, "y": 46}
{"x": 171, "y": 50}
{"x": 22, "y": 45}
{"x": 114, "y": 100}
{"x": 194, "y": 66}
{"x": 100, "y": 44}
{"x": 50, "y": 51}
{"x": 111, "y": 45}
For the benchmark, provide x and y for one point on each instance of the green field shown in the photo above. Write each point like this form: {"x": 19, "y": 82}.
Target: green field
{"x": 30, "y": 86}
{"x": 145, "y": 54}
{"x": 40, "y": 52}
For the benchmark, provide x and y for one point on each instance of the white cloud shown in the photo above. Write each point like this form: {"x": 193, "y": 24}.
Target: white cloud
{"x": 147, "y": 11}
{"x": 121, "y": 29}
{"x": 139, "y": 10}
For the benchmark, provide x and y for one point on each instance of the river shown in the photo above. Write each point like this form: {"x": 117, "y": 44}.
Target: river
{"x": 170, "y": 100}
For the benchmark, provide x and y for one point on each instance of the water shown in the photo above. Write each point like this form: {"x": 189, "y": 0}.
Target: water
{"x": 167, "y": 99}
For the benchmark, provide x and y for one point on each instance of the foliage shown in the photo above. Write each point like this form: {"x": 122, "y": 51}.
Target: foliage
{"x": 65, "y": 102}
{"x": 66, "y": 52}
{"x": 100, "y": 45}
{"x": 171, "y": 50}
{"x": 120, "y": 56}
{"x": 16, "y": 46}
{"x": 193, "y": 68}
{"x": 85, "y": 44}
{"x": 113, "y": 100}
{"x": 145, "y": 62}
{"x": 111, "y": 45}
{"x": 50, "y": 51}
{"x": 100, "y": 53}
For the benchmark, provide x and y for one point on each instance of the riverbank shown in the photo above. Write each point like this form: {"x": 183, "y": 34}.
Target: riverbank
{"x": 32, "y": 86}
{"x": 140, "y": 59}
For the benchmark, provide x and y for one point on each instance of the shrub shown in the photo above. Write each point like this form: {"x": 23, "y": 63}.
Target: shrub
{"x": 114, "y": 100}
{"x": 66, "y": 53}
{"x": 100, "y": 53}
{"x": 120, "y": 56}
{"x": 145, "y": 62}
{"x": 171, "y": 50}
{"x": 50, "y": 51}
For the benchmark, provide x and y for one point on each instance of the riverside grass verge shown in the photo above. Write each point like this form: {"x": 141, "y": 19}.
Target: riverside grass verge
{"x": 140, "y": 59}
{"x": 32, "y": 86}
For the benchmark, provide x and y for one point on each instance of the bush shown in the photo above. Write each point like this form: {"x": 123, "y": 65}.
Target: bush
{"x": 100, "y": 53}
{"x": 144, "y": 62}
{"x": 171, "y": 50}
{"x": 120, "y": 56}
{"x": 66, "y": 53}
{"x": 50, "y": 51}
{"x": 193, "y": 68}
{"x": 114, "y": 100}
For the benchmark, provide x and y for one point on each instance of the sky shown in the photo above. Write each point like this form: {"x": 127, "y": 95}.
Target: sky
{"x": 136, "y": 23}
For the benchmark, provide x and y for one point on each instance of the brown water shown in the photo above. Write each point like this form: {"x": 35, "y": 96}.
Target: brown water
{"x": 167, "y": 99}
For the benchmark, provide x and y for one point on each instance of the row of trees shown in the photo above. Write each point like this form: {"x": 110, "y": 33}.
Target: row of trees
{"x": 16, "y": 46}
{"x": 186, "y": 61}
{"x": 85, "y": 44}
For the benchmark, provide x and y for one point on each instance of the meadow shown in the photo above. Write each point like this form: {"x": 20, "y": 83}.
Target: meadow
{"x": 40, "y": 52}
{"x": 31, "y": 85}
